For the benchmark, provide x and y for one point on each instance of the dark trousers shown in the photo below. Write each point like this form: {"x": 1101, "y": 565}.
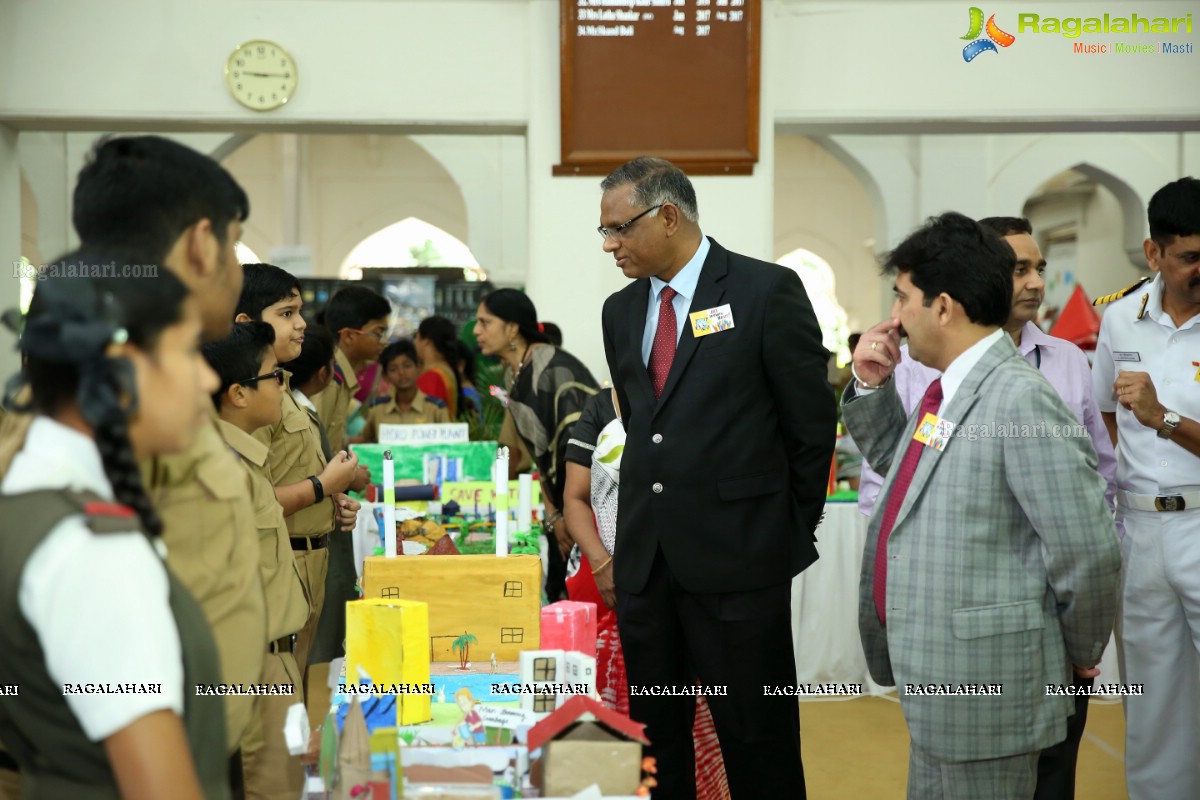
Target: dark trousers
{"x": 556, "y": 572}
{"x": 740, "y": 641}
{"x": 330, "y": 641}
{"x": 1056, "y": 764}
{"x": 237, "y": 784}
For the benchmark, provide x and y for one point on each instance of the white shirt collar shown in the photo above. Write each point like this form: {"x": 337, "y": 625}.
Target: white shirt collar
{"x": 57, "y": 457}
{"x": 686, "y": 279}
{"x": 1155, "y": 310}
{"x": 954, "y": 375}
{"x": 302, "y": 399}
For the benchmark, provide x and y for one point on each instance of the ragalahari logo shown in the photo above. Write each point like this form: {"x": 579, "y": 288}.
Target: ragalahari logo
{"x": 995, "y": 36}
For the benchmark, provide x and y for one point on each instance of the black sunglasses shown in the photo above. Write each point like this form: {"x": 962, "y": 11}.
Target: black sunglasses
{"x": 277, "y": 374}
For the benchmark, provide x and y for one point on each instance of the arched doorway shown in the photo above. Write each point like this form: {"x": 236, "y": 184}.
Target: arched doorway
{"x": 821, "y": 285}
{"x": 411, "y": 243}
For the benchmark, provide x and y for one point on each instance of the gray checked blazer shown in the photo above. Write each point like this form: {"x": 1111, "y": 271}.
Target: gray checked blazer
{"x": 1003, "y": 562}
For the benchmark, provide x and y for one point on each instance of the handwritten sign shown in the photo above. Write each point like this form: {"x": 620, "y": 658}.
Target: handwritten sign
{"x": 505, "y": 717}
{"x": 474, "y": 495}
{"x": 442, "y": 433}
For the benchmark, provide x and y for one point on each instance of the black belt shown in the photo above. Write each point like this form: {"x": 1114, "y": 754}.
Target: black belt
{"x": 285, "y": 645}
{"x": 310, "y": 542}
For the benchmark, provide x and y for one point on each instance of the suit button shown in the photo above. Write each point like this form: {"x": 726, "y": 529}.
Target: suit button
{"x": 656, "y": 438}
{"x": 656, "y": 488}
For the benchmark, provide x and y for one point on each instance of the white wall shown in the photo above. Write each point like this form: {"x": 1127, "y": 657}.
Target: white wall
{"x": 360, "y": 62}
{"x": 852, "y": 62}
{"x": 822, "y": 206}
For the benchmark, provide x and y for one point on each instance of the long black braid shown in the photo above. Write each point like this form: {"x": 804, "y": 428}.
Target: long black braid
{"x": 72, "y": 322}
{"x": 112, "y": 440}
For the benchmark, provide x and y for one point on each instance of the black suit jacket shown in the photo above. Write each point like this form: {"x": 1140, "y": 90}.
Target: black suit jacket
{"x": 741, "y": 440}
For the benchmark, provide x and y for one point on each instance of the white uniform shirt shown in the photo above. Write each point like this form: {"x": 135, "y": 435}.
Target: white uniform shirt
{"x": 99, "y": 603}
{"x": 1146, "y": 464}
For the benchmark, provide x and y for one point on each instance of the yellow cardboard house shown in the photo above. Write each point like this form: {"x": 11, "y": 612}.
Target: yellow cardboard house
{"x": 496, "y": 600}
{"x": 388, "y": 638}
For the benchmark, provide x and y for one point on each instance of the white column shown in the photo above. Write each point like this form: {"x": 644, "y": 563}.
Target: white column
{"x": 10, "y": 242}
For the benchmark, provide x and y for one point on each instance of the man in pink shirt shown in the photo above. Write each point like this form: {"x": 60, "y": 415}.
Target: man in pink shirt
{"x": 1067, "y": 369}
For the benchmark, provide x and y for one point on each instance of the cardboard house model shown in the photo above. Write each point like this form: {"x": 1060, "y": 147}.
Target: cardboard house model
{"x": 543, "y": 670}
{"x": 582, "y": 743}
{"x": 496, "y": 600}
{"x": 580, "y": 669}
{"x": 388, "y": 639}
{"x": 570, "y": 625}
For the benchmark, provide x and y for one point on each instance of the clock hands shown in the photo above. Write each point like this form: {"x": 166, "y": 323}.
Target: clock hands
{"x": 264, "y": 74}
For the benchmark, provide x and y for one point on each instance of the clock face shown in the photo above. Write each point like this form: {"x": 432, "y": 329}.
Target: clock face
{"x": 261, "y": 75}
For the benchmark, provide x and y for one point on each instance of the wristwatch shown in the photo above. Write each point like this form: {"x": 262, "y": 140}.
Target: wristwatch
{"x": 1170, "y": 423}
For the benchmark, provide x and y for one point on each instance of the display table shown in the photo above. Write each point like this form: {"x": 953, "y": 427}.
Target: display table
{"x": 825, "y": 604}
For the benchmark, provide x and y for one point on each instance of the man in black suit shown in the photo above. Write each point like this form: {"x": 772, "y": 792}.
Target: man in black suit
{"x": 719, "y": 368}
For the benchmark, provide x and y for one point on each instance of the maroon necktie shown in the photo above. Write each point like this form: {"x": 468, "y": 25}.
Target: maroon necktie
{"x": 908, "y": 467}
{"x": 662, "y": 352}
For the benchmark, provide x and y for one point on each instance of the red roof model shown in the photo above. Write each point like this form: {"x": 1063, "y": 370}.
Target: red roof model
{"x": 568, "y": 714}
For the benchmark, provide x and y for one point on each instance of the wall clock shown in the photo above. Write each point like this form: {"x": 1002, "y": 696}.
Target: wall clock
{"x": 261, "y": 75}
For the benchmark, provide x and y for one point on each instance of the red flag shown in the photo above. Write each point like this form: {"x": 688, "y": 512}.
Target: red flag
{"x": 1078, "y": 323}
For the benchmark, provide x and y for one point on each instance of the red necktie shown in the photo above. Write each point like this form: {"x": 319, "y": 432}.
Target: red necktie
{"x": 662, "y": 352}
{"x": 908, "y": 467}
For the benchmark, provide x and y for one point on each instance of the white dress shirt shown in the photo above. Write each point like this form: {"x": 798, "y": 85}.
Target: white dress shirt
{"x": 684, "y": 283}
{"x": 1147, "y": 464}
{"x": 99, "y": 603}
{"x": 960, "y": 367}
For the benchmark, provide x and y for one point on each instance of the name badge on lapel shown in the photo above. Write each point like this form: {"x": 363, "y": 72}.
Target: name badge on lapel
{"x": 934, "y": 432}
{"x": 712, "y": 320}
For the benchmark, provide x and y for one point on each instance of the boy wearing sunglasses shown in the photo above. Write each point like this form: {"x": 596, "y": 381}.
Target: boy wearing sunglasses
{"x": 250, "y": 397}
{"x": 307, "y": 484}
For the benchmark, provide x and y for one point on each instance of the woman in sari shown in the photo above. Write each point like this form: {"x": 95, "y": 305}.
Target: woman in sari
{"x": 547, "y": 389}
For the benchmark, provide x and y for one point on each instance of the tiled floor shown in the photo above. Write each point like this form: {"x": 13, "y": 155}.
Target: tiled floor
{"x": 859, "y": 749}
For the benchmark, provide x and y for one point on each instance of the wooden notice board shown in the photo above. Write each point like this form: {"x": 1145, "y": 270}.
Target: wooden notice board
{"x": 672, "y": 78}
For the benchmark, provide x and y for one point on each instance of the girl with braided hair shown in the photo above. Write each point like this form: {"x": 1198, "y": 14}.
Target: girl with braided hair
{"x": 106, "y": 646}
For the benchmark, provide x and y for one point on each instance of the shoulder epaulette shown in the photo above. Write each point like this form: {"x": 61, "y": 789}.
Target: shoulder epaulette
{"x": 339, "y": 377}
{"x": 435, "y": 401}
{"x": 99, "y": 508}
{"x": 379, "y": 400}
{"x": 1108, "y": 298}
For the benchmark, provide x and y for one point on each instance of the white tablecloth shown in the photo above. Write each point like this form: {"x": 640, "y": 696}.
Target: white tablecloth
{"x": 825, "y": 608}
{"x": 825, "y": 605}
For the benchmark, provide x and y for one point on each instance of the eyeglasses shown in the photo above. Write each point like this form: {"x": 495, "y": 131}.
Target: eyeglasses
{"x": 277, "y": 374}
{"x": 380, "y": 335}
{"x": 617, "y": 231}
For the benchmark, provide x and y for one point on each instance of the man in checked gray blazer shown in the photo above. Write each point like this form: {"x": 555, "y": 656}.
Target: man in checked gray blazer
{"x": 998, "y": 561}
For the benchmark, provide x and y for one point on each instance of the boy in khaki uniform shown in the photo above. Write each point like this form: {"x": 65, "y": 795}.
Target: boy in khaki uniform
{"x": 251, "y": 397}
{"x": 358, "y": 318}
{"x": 312, "y": 374}
{"x": 309, "y": 489}
{"x": 407, "y": 405}
{"x": 160, "y": 202}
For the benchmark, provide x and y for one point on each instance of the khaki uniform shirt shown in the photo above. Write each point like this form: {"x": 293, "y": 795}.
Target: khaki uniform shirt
{"x": 209, "y": 529}
{"x": 423, "y": 411}
{"x": 333, "y": 402}
{"x": 294, "y": 453}
{"x": 287, "y": 608}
